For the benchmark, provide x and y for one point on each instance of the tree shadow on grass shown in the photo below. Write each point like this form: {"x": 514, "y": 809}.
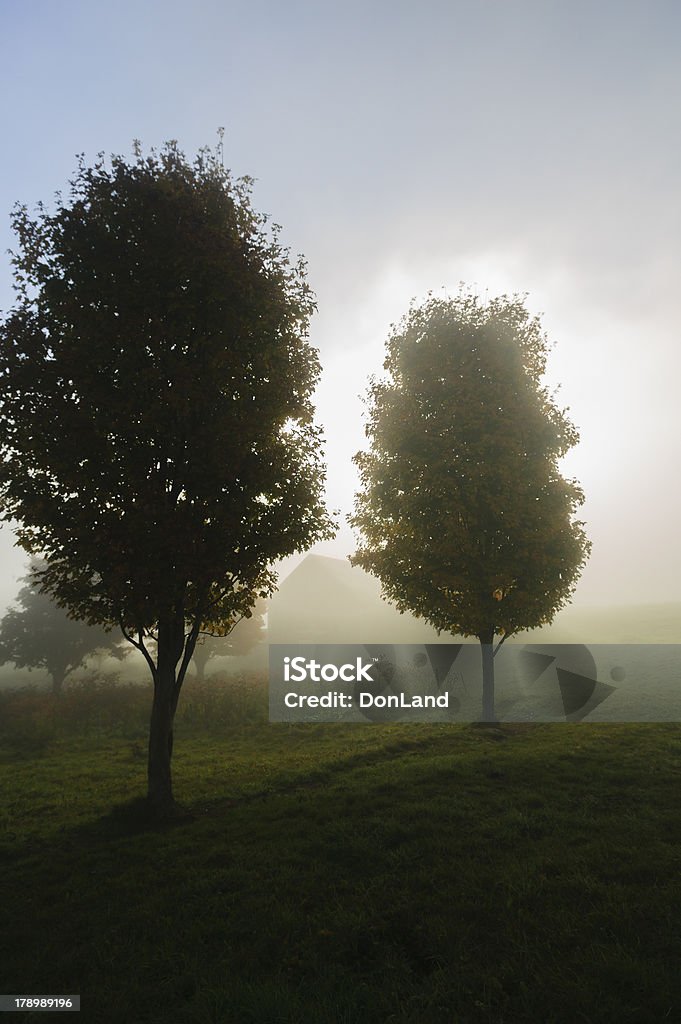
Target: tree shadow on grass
{"x": 134, "y": 816}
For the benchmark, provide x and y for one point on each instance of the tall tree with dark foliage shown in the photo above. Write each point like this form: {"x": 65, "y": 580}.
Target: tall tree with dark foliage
{"x": 157, "y": 439}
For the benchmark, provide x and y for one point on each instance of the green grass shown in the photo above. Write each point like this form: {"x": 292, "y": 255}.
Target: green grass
{"x": 342, "y": 874}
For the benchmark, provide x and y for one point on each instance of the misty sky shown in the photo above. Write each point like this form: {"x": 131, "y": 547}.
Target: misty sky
{"x": 408, "y": 146}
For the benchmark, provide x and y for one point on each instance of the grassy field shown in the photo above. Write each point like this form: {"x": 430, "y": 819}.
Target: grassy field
{"x": 526, "y": 874}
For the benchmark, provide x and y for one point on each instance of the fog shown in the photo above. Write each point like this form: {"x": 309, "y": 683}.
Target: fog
{"x": 526, "y": 147}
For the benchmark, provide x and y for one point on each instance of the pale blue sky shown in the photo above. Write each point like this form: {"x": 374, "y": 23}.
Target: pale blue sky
{"x": 407, "y": 146}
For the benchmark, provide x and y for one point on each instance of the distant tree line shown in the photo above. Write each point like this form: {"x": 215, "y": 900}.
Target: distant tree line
{"x": 38, "y": 634}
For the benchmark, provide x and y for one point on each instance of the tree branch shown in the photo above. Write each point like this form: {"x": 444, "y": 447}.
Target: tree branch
{"x": 189, "y": 645}
{"x": 139, "y": 644}
{"x": 127, "y": 635}
{"x": 223, "y": 636}
{"x": 496, "y": 649}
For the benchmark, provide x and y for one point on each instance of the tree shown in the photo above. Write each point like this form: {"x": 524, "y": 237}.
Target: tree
{"x": 463, "y": 514}
{"x": 242, "y": 638}
{"x": 39, "y": 634}
{"x": 156, "y": 428}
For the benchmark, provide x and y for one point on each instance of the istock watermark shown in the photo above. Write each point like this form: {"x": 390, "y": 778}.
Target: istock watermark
{"x": 443, "y": 683}
{"x": 298, "y": 670}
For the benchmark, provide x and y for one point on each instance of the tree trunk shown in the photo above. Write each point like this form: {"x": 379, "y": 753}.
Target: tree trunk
{"x": 160, "y": 790}
{"x": 58, "y": 673}
{"x": 58, "y": 683}
{"x": 487, "y": 652}
{"x": 200, "y": 657}
{"x": 160, "y": 786}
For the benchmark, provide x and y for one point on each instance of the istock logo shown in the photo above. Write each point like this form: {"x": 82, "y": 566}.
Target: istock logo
{"x": 297, "y": 670}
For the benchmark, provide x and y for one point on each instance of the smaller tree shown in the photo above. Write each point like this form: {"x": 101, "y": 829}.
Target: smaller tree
{"x": 40, "y": 634}
{"x": 464, "y": 515}
{"x": 246, "y": 634}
